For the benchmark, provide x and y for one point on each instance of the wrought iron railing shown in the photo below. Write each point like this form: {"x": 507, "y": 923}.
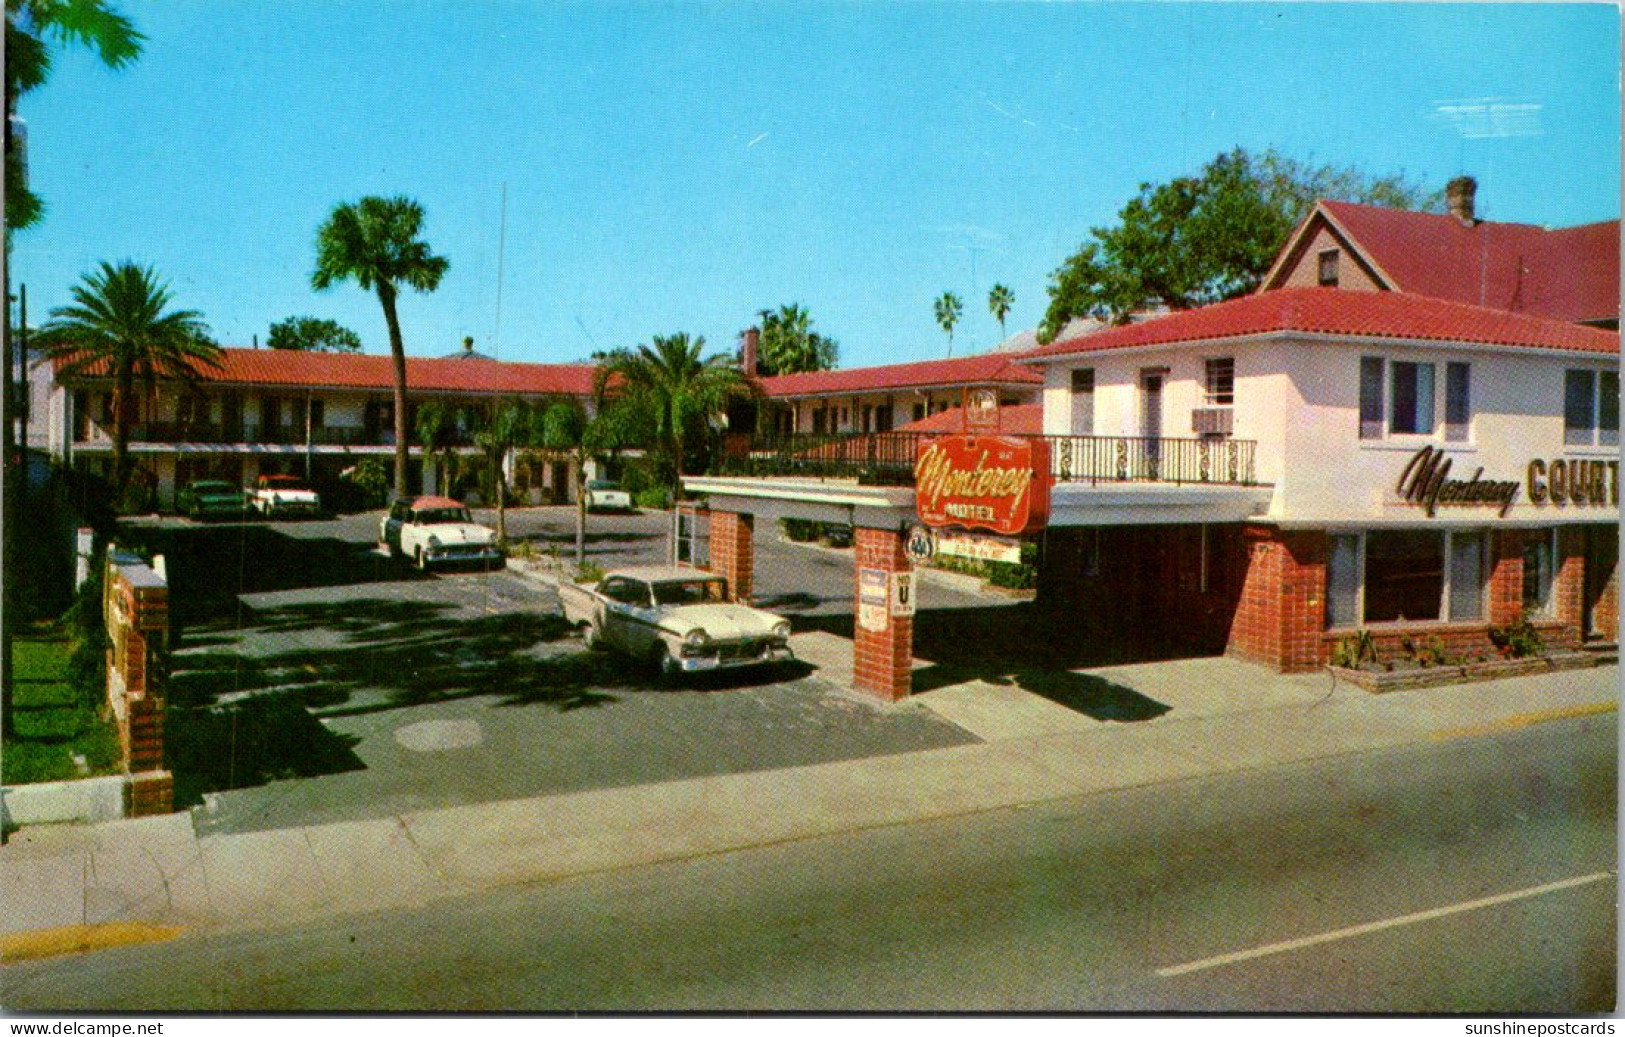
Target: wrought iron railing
{"x": 250, "y": 433}
{"x": 887, "y": 458}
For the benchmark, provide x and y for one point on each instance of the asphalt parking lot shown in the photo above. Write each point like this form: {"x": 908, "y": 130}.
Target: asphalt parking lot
{"x": 316, "y": 680}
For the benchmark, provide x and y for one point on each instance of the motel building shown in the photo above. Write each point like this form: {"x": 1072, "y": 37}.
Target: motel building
{"x": 1260, "y": 478}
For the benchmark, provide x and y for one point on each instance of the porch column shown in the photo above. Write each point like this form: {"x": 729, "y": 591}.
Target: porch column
{"x": 881, "y": 658}
{"x": 733, "y": 550}
{"x": 1281, "y": 616}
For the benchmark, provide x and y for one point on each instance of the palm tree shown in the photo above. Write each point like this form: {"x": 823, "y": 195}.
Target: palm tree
{"x": 513, "y": 424}
{"x": 948, "y": 309}
{"x": 790, "y": 346}
{"x": 30, "y": 25}
{"x": 374, "y": 242}
{"x": 118, "y": 328}
{"x": 999, "y": 301}
{"x": 676, "y": 389}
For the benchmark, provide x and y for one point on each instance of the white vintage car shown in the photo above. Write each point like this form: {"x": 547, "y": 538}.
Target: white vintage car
{"x": 603, "y": 495}
{"x": 279, "y": 496}
{"x": 677, "y": 620}
{"x": 436, "y": 531}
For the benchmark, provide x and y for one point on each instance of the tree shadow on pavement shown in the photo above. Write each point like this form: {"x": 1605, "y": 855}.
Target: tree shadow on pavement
{"x": 252, "y": 742}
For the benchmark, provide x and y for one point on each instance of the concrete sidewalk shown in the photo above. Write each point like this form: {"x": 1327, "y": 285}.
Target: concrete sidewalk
{"x": 142, "y": 879}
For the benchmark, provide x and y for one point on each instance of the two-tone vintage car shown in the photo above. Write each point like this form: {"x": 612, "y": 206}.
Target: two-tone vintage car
{"x": 284, "y": 496}
{"x": 211, "y": 498}
{"x": 677, "y": 620}
{"x": 436, "y": 531}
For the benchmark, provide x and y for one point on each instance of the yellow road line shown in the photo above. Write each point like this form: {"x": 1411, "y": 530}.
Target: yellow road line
{"x": 79, "y": 939}
{"x": 1387, "y": 923}
{"x": 1522, "y": 720}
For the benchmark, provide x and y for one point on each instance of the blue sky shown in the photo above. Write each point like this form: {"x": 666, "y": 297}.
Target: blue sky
{"x": 680, "y": 166}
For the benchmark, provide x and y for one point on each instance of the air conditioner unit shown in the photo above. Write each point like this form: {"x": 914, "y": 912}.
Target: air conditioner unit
{"x": 1213, "y": 421}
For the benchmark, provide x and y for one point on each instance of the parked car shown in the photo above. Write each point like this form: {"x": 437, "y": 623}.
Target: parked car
{"x": 436, "y": 531}
{"x": 677, "y": 620}
{"x": 211, "y": 498}
{"x": 603, "y": 495}
{"x": 283, "y": 496}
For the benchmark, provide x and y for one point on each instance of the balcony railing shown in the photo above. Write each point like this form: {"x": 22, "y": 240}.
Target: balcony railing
{"x": 887, "y": 458}
{"x": 249, "y": 433}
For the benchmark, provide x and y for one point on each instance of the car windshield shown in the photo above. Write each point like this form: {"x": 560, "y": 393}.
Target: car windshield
{"x": 691, "y": 592}
{"x": 213, "y": 487}
{"x": 284, "y": 482}
{"x": 435, "y": 516}
{"x": 600, "y": 484}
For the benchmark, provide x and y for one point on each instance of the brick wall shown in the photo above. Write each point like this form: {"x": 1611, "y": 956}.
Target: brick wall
{"x": 882, "y": 660}
{"x": 1281, "y": 612}
{"x": 733, "y": 551}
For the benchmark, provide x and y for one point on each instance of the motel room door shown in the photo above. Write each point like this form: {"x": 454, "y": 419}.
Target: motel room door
{"x": 1151, "y": 419}
{"x": 1602, "y": 557}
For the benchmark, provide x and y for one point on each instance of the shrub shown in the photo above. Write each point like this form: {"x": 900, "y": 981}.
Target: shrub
{"x": 800, "y": 530}
{"x": 1354, "y": 650}
{"x": 87, "y": 660}
{"x": 374, "y": 478}
{"x": 1518, "y": 639}
{"x": 656, "y": 497}
{"x": 587, "y": 572}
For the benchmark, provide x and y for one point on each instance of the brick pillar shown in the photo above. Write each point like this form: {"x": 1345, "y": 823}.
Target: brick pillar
{"x": 1605, "y": 609}
{"x": 733, "y": 550}
{"x": 1569, "y": 583}
{"x": 882, "y": 659}
{"x": 138, "y": 624}
{"x": 1506, "y": 577}
{"x": 1282, "y": 610}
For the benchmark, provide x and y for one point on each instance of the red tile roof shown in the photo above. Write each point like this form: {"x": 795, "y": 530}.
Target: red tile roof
{"x": 1332, "y": 311}
{"x": 1022, "y": 419}
{"x": 987, "y": 369}
{"x": 293, "y": 368}
{"x": 1569, "y": 274}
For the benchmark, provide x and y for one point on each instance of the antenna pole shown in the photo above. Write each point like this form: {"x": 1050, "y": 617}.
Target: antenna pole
{"x": 502, "y": 244}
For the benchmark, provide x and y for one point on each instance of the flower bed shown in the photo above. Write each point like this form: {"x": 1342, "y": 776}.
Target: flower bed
{"x": 1379, "y": 678}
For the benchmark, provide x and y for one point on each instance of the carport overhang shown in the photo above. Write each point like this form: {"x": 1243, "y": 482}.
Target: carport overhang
{"x": 820, "y": 500}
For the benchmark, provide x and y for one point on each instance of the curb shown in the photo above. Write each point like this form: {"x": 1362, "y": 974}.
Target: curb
{"x": 81, "y": 939}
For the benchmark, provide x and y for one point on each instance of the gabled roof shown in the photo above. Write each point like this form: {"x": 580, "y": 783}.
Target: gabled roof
{"x": 1569, "y": 274}
{"x": 1359, "y": 315}
{"x": 298, "y": 369}
{"x": 1021, "y": 419}
{"x": 986, "y": 369}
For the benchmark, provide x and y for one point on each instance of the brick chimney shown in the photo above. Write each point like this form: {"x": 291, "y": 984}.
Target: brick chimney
{"x": 748, "y": 340}
{"x": 1459, "y": 195}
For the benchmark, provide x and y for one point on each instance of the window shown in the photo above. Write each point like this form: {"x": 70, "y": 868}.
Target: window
{"x": 919, "y": 411}
{"x": 1591, "y": 408}
{"x": 1371, "y": 413}
{"x": 1404, "y": 575}
{"x": 1221, "y": 381}
{"x": 1083, "y": 402}
{"x": 1394, "y": 576}
{"x": 1538, "y": 572}
{"x": 1411, "y": 396}
{"x": 1328, "y": 268}
{"x": 1458, "y": 401}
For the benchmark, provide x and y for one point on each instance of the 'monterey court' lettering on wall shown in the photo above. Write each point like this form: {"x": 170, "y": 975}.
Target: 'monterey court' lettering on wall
{"x": 1426, "y": 482}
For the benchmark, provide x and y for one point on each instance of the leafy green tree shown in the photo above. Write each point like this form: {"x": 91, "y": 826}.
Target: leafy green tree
{"x": 999, "y": 301}
{"x": 31, "y": 27}
{"x": 1202, "y": 239}
{"x": 374, "y": 242}
{"x": 313, "y": 335}
{"x": 673, "y": 392}
{"x": 120, "y": 327}
{"x": 948, "y": 307}
{"x": 570, "y": 431}
{"x": 790, "y": 346}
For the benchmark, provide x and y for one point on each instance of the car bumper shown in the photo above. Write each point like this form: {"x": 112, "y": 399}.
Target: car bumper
{"x": 220, "y": 509}
{"x": 294, "y": 508}
{"x": 453, "y": 555}
{"x": 729, "y": 657}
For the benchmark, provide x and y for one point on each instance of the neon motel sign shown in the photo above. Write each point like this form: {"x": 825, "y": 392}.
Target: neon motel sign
{"x": 997, "y": 483}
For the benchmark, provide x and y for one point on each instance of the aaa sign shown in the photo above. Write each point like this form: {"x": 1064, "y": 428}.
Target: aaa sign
{"x": 998, "y": 483}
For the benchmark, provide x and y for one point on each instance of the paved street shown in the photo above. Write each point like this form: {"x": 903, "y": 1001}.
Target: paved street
{"x": 1091, "y": 903}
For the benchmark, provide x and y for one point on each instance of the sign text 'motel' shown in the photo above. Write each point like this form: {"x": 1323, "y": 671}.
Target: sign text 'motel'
{"x": 1426, "y": 482}
{"x": 998, "y": 483}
